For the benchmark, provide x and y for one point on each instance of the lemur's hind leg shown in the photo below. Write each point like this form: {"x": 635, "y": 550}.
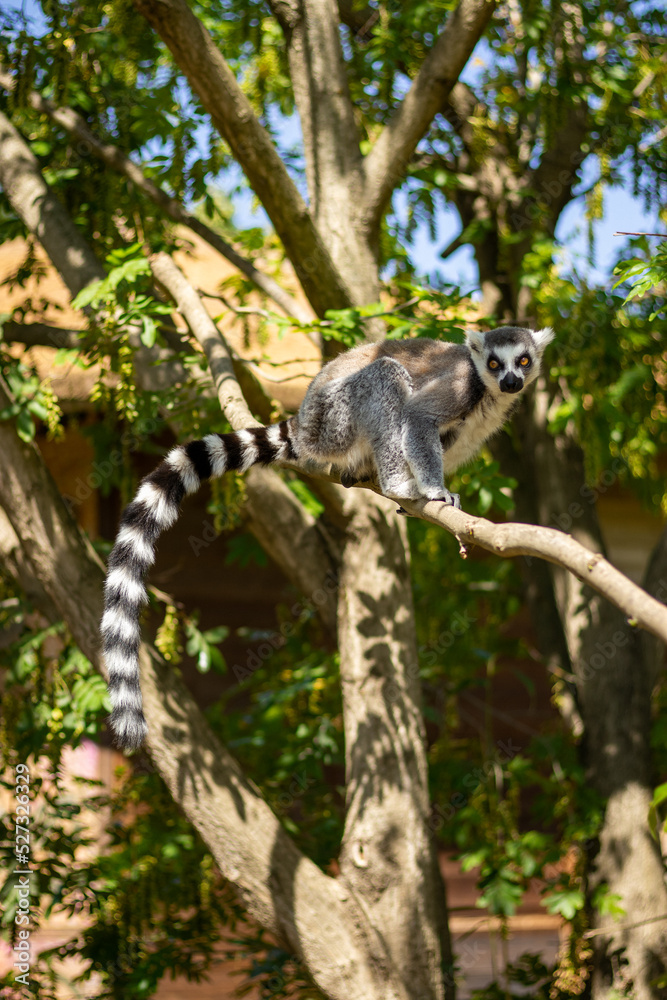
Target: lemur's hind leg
{"x": 380, "y": 392}
{"x": 356, "y": 422}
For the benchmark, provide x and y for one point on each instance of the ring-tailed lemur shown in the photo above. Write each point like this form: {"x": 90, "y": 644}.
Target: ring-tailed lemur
{"x": 405, "y": 411}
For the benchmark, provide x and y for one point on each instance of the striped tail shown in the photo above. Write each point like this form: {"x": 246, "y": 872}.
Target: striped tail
{"x": 155, "y": 508}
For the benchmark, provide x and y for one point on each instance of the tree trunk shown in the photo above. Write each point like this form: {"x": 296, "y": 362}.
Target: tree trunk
{"x": 388, "y": 856}
{"x": 614, "y": 683}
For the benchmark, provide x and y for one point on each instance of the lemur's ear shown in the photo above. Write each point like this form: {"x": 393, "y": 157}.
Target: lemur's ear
{"x": 543, "y": 337}
{"x": 475, "y": 341}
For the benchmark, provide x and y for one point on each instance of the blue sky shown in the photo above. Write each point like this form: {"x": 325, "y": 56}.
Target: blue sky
{"x": 621, "y": 211}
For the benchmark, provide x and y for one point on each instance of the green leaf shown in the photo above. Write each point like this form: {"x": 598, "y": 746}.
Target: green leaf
{"x": 87, "y": 295}
{"x": 566, "y": 902}
{"x": 502, "y": 893}
{"x": 485, "y": 499}
{"x": 654, "y": 812}
{"x": 25, "y": 427}
{"x": 149, "y": 331}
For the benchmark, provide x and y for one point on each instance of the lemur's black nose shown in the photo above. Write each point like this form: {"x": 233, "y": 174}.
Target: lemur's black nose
{"x": 511, "y": 383}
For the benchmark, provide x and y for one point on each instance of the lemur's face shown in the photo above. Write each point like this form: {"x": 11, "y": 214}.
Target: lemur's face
{"x": 508, "y": 359}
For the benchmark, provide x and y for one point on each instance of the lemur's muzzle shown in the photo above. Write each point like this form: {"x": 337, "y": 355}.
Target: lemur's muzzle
{"x": 511, "y": 383}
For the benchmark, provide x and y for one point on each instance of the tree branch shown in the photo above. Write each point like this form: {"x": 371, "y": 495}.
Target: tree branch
{"x": 551, "y": 182}
{"x": 319, "y": 81}
{"x": 359, "y": 20}
{"x": 388, "y": 854}
{"x": 42, "y": 213}
{"x": 211, "y": 78}
{"x": 113, "y": 157}
{"x": 387, "y": 160}
{"x": 514, "y": 539}
{"x": 273, "y": 508}
{"x": 291, "y": 536}
{"x": 334, "y": 165}
{"x": 40, "y": 335}
{"x": 281, "y": 888}
{"x": 458, "y": 109}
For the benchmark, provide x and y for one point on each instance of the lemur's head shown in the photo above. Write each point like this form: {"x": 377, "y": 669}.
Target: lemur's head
{"x": 508, "y": 359}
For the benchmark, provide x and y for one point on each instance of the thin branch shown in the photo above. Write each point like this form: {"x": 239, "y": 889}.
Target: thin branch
{"x": 662, "y": 917}
{"x": 279, "y": 521}
{"x": 514, "y": 539}
{"x": 212, "y": 80}
{"x": 459, "y": 108}
{"x": 652, "y": 140}
{"x": 113, "y": 157}
{"x": 360, "y": 20}
{"x": 206, "y": 333}
{"x": 277, "y": 518}
{"x": 40, "y": 335}
{"x": 387, "y": 160}
{"x": 452, "y": 246}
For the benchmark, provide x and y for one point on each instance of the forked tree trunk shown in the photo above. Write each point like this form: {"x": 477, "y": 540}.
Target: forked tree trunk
{"x": 388, "y": 855}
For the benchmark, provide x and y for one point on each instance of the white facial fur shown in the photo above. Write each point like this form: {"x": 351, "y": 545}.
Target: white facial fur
{"x": 520, "y": 343}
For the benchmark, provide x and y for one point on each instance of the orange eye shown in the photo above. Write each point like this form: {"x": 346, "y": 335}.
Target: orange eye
{"x": 524, "y": 361}
{"x": 493, "y": 363}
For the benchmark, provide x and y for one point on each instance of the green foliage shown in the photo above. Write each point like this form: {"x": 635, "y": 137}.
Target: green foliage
{"x": 120, "y": 297}
{"x": 643, "y": 275}
{"x": 608, "y": 379}
{"x": 528, "y": 973}
{"x": 658, "y": 810}
{"x": 204, "y": 646}
{"x": 288, "y": 735}
{"x": 521, "y": 816}
{"x": 419, "y": 312}
{"x": 33, "y": 403}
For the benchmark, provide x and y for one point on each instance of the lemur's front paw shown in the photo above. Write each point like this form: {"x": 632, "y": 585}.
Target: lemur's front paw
{"x": 347, "y": 480}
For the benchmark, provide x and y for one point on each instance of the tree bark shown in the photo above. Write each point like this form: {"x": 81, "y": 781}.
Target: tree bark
{"x": 334, "y": 164}
{"x": 387, "y": 161}
{"x": 388, "y": 855}
{"x": 614, "y": 683}
{"x": 317, "y": 919}
{"x": 42, "y": 213}
{"x": 213, "y": 81}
